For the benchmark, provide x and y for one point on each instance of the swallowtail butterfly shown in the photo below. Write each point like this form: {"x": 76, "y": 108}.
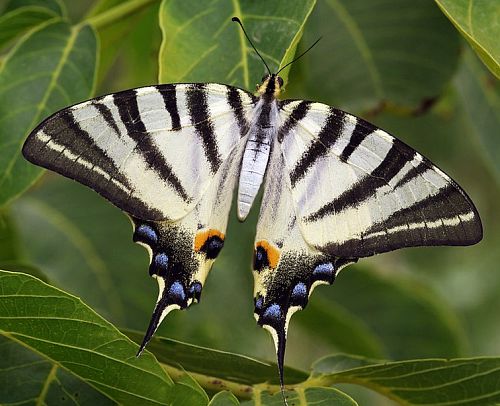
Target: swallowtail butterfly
{"x": 336, "y": 188}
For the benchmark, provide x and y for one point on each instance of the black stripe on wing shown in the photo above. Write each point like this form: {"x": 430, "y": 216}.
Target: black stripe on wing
{"x": 169, "y": 95}
{"x": 126, "y": 102}
{"x": 200, "y": 118}
{"x": 445, "y": 218}
{"x": 390, "y": 166}
{"x": 329, "y": 133}
{"x": 234, "y": 100}
{"x": 297, "y": 114}
{"x": 59, "y": 144}
{"x": 361, "y": 130}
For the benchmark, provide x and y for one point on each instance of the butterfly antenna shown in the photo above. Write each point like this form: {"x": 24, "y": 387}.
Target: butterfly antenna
{"x": 301, "y": 55}
{"x": 237, "y": 20}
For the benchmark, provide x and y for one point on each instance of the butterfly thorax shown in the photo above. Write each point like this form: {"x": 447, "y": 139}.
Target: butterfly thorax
{"x": 261, "y": 133}
{"x": 271, "y": 86}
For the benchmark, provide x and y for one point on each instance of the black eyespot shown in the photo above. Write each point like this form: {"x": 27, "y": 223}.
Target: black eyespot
{"x": 280, "y": 81}
{"x": 260, "y": 260}
{"x": 212, "y": 246}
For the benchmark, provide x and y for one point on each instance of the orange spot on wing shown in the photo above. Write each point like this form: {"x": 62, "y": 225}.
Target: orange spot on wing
{"x": 203, "y": 235}
{"x": 273, "y": 253}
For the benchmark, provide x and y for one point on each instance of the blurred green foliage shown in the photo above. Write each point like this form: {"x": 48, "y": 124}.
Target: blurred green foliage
{"x": 401, "y": 64}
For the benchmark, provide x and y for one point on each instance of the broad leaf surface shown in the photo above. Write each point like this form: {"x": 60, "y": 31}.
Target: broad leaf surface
{"x": 134, "y": 38}
{"x": 479, "y": 94}
{"x": 66, "y": 331}
{"x": 90, "y": 274}
{"x": 478, "y": 22}
{"x": 379, "y": 51}
{"x": 9, "y": 239}
{"x": 456, "y": 382}
{"x": 221, "y": 364}
{"x": 56, "y": 6}
{"x": 224, "y": 398}
{"x": 51, "y": 68}
{"x": 35, "y": 380}
{"x": 380, "y": 301}
{"x": 202, "y": 44}
{"x": 304, "y": 397}
{"x": 332, "y": 323}
{"x": 19, "y": 20}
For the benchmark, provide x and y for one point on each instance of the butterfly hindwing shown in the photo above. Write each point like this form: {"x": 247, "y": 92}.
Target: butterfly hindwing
{"x": 183, "y": 251}
{"x": 286, "y": 268}
{"x": 358, "y": 191}
{"x": 151, "y": 151}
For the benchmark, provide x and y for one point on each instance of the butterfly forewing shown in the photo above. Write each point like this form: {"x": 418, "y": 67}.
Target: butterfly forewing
{"x": 358, "y": 191}
{"x": 151, "y": 151}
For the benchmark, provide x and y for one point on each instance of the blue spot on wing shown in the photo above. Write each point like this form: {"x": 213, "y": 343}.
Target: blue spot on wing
{"x": 258, "y": 304}
{"x": 273, "y": 312}
{"x": 195, "y": 290}
{"x": 299, "y": 291}
{"x": 324, "y": 272}
{"x": 161, "y": 260}
{"x": 176, "y": 292}
{"x": 146, "y": 234}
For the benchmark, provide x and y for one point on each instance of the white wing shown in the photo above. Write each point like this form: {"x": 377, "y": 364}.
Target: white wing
{"x": 358, "y": 191}
{"x": 151, "y": 151}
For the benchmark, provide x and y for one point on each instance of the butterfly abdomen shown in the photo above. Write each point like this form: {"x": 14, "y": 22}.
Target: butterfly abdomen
{"x": 262, "y": 132}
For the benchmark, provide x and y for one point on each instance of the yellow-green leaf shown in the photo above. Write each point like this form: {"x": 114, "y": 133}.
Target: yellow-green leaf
{"x": 456, "y": 382}
{"x": 478, "y": 22}
{"x": 70, "y": 334}
{"x": 202, "y": 44}
{"x": 52, "y": 67}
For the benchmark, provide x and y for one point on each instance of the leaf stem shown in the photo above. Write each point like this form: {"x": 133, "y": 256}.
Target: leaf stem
{"x": 211, "y": 383}
{"x": 116, "y": 13}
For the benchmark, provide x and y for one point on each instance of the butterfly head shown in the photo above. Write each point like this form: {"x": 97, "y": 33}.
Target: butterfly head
{"x": 271, "y": 85}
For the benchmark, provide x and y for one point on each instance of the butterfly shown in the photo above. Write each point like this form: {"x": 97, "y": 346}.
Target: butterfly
{"x": 336, "y": 188}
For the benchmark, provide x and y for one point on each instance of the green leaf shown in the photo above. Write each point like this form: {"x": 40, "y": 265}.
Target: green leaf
{"x": 478, "y": 23}
{"x": 397, "y": 310}
{"x": 130, "y": 46}
{"x": 202, "y": 44}
{"x": 214, "y": 363}
{"x": 304, "y": 397}
{"x": 466, "y": 381}
{"x": 479, "y": 95}
{"x": 9, "y": 239}
{"x": 34, "y": 379}
{"x": 380, "y": 51}
{"x": 56, "y": 6}
{"x": 63, "y": 329}
{"x": 224, "y": 398}
{"x": 340, "y": 328}
{"x": 52, "y": 67}
{"x": 19, "y": 20}
{"x": 89, "y": 276}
